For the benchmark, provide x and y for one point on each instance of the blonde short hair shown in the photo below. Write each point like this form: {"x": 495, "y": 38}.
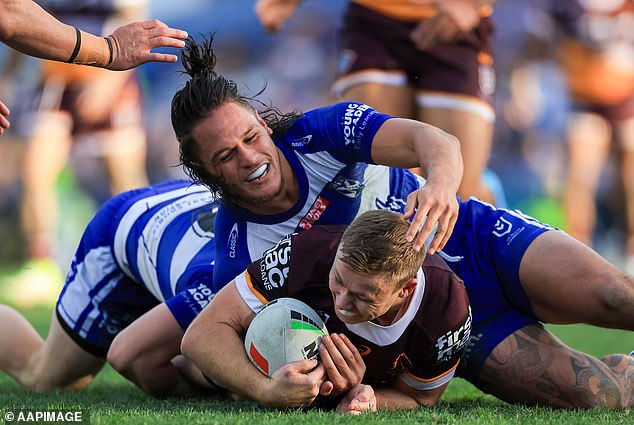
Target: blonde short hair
{"x": 375, "y": 244}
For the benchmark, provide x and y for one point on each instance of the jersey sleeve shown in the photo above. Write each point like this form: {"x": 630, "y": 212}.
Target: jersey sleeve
{"x": 188, "y": 303}
{"x": 345, "y": 130}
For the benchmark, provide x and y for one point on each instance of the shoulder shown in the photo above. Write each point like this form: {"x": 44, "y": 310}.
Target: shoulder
{"x": 297, "y": 261}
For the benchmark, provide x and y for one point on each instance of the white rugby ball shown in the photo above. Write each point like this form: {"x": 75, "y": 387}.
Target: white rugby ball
{"x": 285, "y": 330}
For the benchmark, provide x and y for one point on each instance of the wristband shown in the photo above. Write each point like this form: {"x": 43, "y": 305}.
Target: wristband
{"x": 94, "y": 51}
{"x": 77, "y": 46}
{"x": 111, "y": 51}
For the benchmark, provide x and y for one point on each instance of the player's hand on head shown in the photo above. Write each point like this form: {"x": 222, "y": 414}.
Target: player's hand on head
{"x": 429, "y": 205}
{"x": 454, "y": 19}
{"x": 360, "y": 398}
{"x": 273, "y": 14}
{"x": 343, "y": 363}
{"x": 295, "y": 384}
{"x": 4, "y": 113}
{"x": 133, "y": 43}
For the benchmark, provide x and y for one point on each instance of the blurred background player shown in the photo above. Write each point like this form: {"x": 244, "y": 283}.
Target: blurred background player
{"x": 93, "y": 110}
{"x": 596, "y": 52}
{"x": 423, "y": 60}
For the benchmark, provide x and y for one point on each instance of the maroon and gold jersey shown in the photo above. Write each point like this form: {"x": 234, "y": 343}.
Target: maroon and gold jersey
{"x": 422, "y": 348}
{"x": 597, "y": 49}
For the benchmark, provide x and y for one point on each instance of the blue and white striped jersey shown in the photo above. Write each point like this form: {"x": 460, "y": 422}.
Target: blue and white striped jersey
{"x": 143, "y": 247}
{"x": 164, "y": 237}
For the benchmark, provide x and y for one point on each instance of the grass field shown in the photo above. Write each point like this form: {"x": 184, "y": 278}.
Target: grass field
{"x": 110, "y": 399}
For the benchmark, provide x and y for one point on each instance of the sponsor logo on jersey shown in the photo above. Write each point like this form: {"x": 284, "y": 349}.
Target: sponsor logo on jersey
{"x": 165, "y": 215}
{"x": 350, "y": 188}
{"x": 274, "y": 264}
{"x": 502, "y": 227}
{"x": 233, "y": 241}
{"x": 454, "y": 340}
{"x": 353, "y": 126}
{"x": 298, "y": 143}
{"x": 200, "y": 296}
{"x": 392, "y": 203}
{"x": 316, "y": 210}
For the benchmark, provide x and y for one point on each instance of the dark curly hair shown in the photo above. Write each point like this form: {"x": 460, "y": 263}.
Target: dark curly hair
{"x": 204, "y": 92}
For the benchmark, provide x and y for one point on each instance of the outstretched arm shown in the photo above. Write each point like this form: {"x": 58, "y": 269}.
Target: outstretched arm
{"x": 405, "y": 143}
{"x": 27, "y": 27}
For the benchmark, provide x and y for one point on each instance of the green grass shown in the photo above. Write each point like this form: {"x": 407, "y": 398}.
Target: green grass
{"x": 110, "y": 399}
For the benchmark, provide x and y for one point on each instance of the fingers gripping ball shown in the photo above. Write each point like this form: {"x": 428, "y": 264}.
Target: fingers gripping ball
{"x": 286, "y": 330}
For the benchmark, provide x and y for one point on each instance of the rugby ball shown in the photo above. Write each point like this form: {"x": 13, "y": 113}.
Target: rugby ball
{"x": 285, "y": 330}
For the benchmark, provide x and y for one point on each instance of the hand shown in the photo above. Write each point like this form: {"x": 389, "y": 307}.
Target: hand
{"x": 294, "y": 384}
{"x": 432, "y": 204}
{"x": 359, "y": 399}
{"x": 343, "y": 363}
{"x": 4, "y": 113}
{"x": 454, "y": 19}
{"x": 273, "y": 14}
{"x": 132, "y": 44}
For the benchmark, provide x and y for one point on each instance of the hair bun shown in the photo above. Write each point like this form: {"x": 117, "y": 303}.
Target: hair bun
{"x": 199, "y": 59}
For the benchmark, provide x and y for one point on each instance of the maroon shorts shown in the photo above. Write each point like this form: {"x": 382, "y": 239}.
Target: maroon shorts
{"x": 125, "y": 111}
{"x": 371, "y": 41}
{"x": 621, "y": 111}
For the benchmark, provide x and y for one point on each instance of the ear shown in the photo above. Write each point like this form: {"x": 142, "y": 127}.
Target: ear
{"x": 263, "y": 123}
{"x": 408, "y": 288}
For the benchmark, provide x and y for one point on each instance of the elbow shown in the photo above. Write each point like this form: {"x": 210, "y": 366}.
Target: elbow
{"x": 453, "y": 140}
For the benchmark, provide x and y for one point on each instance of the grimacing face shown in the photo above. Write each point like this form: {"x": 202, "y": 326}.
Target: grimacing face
{"x": 360, "y": 297}
{"x": 235, "y": 145}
